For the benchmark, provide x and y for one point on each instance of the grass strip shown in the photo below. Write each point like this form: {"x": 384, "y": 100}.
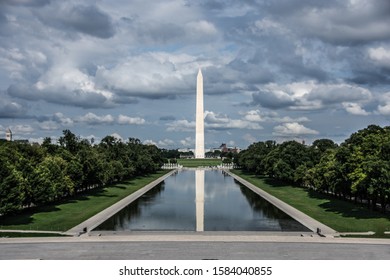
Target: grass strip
{"x": 341, "y": 215}
{"x": 193, "y": 162}
{"x": 67, "y": 214}
{"x": 28, "y": 234}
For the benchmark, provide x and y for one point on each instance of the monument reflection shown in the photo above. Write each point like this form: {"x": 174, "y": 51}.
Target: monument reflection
{"x": 199, "y": 199}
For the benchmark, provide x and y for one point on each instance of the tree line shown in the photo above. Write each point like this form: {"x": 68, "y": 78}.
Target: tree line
{"x": 33, "y": 175}
{"x": 358, "y": 169}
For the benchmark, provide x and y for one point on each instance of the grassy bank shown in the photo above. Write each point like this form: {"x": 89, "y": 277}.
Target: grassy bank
{"x": 343, "y": 216}
{"x": 67, "y": 214}
{"x": 192, "y": 162}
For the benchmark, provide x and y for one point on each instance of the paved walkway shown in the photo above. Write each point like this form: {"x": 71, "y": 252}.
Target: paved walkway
{"x": 189, "y": 246}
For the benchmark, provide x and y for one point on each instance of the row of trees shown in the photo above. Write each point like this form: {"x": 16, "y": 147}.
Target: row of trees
{"x": 32, "y": 175}
{"x": 358, "y": 169}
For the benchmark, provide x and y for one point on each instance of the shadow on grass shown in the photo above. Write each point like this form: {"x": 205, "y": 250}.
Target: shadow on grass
{"x": 329, "y": 203}
{"x": 25, "y": 217}
{"x": 346, "y": 208}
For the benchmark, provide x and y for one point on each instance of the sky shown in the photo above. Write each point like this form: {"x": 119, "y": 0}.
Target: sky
{"x": 273, "y": 70}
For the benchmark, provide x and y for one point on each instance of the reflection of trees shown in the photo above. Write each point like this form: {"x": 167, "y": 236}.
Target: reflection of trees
{"x": 270, "y": 211}
{"x": 259, "y": 204}
{"x": 133, "y": 210}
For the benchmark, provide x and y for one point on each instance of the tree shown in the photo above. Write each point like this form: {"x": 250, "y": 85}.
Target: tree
{"x": 11, "y": 188}
{"x": 285, "y": 159}
{"x": 253, "y": 158}
{"x": 69, "y": 141}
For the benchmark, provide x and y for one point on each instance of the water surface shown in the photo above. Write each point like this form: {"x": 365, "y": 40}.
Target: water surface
{"x": 201, "y": 200}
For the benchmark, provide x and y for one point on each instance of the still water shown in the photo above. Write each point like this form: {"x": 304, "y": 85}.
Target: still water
{"x": 201, "y": 200}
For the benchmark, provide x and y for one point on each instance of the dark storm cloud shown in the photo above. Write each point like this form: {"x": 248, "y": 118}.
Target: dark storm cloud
{"x": 28, "y": 3}
{"x": 338, "y": 94}
{"x": 11, "y": 109}
{"x": 168, "y": 118}
{"x": 336, "y": 22}
{"x": 79, "y": 98}
{"x": 271, "y": 100}
{"x": 159, "y": 32}
{"x": 373, "y": 78}
{"x": 288, "y": 7}
{"x": 251, "y": 72}
{"x": 84, "y": 19}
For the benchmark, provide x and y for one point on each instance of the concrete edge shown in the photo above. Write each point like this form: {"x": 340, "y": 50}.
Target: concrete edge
{"x": 100, "y": 217}
{"x": 301, "y": 217}
{"x": 235, "y": 237}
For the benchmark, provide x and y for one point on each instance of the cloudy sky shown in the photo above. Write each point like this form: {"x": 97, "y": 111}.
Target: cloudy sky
{"x": 281, "y": 70}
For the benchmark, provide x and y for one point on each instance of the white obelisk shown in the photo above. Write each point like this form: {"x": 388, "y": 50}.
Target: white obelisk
{"x": 199, "y": 131}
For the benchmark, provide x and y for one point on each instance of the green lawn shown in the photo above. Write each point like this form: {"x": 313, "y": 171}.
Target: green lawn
{"x": 65, "y": 215}
{"x": 343, "y": 216}
{"x": 199, "y": 162}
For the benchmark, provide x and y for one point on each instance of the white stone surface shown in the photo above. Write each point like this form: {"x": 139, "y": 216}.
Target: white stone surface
{"x": 199, "y": 131}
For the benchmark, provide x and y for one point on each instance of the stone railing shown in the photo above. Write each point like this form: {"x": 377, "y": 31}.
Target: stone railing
{"x": 171, "y": 166}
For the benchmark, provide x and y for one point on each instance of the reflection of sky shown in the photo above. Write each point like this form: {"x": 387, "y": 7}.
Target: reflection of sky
{"x": 227, "y": 207}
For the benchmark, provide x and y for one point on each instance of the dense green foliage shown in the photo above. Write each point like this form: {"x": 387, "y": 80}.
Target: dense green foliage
{"x": 33, "y": 175}
{"x": 358, "y": 169}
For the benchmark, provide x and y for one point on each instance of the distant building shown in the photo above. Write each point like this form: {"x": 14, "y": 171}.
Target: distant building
{"x": 186, "y": 153}
{"x": 225, "y": 149}
{"x": 8, "y": 134}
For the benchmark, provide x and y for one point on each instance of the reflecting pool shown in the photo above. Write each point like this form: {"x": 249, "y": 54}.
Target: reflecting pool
{"x": 201, "y": 200}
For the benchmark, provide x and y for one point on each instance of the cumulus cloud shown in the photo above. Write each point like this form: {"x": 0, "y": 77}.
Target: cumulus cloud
{"x": 117, "y": 136}
{"x": 215, "y": 121}
{"x": 293, "y": 129}
{"x": 384, "y": 106}
{"x": 66, "y": 85}
{"x": 266, "y": 64}
{"x": 48, "y": 125}
{"x": 249, "y": 138}
{"x": 92, "y": 119}
{"x": 187, "y": 142}
{"x": 62, "y": 119}
{"x": 181, "y": 125}
{"x": 166, "y": 143}
{"x": 150, "y": 75}
{"x": 384, "y": 109}
{"x": 23, "y": 129}
{"x": 125, "y": 120}
{"x": 309, "y": 96}
{"x": 355, "y": 109}
{"x": 270, "y": 116}
{"x": 380, "y": 55}
{"x": 254, "y": 116}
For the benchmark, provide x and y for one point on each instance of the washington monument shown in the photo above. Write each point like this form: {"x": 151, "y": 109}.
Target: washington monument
{"x": 199, "y": 131}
